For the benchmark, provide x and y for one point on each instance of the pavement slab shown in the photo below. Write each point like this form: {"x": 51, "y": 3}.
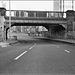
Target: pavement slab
{"x": 8, "y": 43}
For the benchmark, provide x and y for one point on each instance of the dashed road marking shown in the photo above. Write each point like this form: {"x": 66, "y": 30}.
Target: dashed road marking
{"x": 67, "y": 51}
{"x": 20, "y": 55}
{"x": 32, "y": 47}
{"x": 23, "y": 53}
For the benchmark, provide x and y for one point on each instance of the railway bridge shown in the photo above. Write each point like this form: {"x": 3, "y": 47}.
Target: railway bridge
{"x": 52, "y": 20}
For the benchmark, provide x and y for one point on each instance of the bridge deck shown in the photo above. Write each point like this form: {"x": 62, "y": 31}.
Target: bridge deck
{"x": 37, "y": 20}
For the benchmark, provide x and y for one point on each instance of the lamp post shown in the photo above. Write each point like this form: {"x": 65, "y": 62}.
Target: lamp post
{"x": 72, "y": 4}
{"x": 60, "y": 5}
{"x": 1, "y": 1}
{"x": 63, "y": 5}
{"x": 9, "y": 19}
{"x": 73, "y": 9}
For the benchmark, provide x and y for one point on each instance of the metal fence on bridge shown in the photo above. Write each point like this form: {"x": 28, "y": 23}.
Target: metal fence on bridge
{"x": 36, "y": 14}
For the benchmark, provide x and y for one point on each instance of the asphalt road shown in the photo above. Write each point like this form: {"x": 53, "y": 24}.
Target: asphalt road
{"x": 32, "y": 56}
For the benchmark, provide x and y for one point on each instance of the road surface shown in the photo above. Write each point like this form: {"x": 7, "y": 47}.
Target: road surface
{"x": 32, "y": 56}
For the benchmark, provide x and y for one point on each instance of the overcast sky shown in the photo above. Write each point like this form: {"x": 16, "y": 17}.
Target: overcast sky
{"x": 46, "y": 5}
{"x": 30, "y": 5}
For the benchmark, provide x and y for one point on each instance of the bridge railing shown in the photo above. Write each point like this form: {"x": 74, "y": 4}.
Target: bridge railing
{"x": 36, "y": 14}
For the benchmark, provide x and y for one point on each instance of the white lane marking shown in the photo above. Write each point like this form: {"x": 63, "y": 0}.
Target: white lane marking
{"x": 23, "y": 53}
{"x": 32, "y": 47}
{"x": 20, "y": 55}
{"x": 67, "y": 51}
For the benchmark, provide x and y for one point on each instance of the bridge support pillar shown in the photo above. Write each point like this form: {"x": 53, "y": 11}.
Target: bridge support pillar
{"x": 22, "y": 29}
{"x": 70, "y": 14}
{"x": 2, "y": 23}
{"x": 70, "y": 19}
{"x": 14, "y": 28}
{"x": 50, "y": 31}
{"x": 6, "y": 30}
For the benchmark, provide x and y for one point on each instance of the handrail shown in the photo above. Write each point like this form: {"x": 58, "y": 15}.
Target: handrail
{"x": 37, "y": 14}
{"x": 38, "y": 11}
{"x": 31, "y": 18}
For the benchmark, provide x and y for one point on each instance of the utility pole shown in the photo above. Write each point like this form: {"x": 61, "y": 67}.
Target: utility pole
{"x": 1, "y": 1}
{"x": 63, "y": 5}
{"x": 60, "y": 5}
{"x": 72, "y": 4}
{"x": 9, "y": 19}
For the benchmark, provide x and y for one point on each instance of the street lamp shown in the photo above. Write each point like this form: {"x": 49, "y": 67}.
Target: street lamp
{"x": 60, "y": 5}
{"x": 1, "y": 1}
{"x": 72, "y": 4}
{"x": 63, "y": 5}
{"x": 9, "y": 18}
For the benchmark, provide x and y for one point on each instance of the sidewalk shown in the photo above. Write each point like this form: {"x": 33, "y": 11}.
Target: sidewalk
{"x": 72, "y": 41}
{"x": 7, "y": 43}
{"x": 11, "y": 41}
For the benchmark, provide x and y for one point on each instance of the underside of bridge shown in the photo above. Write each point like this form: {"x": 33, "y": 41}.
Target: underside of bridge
{"x": 53, "y": 29}
{"x": 57, "y": 27}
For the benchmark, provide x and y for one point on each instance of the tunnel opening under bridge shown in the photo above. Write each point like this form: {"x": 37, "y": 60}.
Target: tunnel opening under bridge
{"x": 53, "y": 30}
{"x": 58, "y": 31}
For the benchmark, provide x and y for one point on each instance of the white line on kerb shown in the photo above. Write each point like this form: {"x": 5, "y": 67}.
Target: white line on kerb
{"x": 23, "y": 53}
{"x": 67, "y": 51}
